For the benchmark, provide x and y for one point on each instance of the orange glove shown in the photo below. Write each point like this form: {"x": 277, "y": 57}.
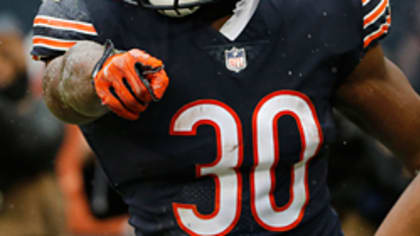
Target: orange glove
{"x": 127, "y": 82}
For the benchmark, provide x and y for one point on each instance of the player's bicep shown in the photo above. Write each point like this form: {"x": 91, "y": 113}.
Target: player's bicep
{"x": 378, "y": 97}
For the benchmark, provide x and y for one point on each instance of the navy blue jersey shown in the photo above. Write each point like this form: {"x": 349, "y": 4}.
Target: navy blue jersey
{"x": 236, "y": 145}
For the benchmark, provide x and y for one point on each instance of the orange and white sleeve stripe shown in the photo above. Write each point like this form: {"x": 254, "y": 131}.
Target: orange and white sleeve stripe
{"x": 63, "y": 24}
{"x": 380, "y": 32}
{"x": 52, "y": 43}
{"x": 376, "y": 21}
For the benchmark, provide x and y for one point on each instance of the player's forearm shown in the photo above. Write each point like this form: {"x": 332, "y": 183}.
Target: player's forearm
{"x": 67, "y": 84}
{"x": 404, "y": 217}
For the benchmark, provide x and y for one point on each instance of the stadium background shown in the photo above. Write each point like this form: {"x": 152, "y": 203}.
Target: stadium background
{"x": 365, "y": 179}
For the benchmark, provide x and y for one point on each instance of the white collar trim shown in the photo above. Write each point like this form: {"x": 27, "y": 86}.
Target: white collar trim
{"x": 242, "y": 14}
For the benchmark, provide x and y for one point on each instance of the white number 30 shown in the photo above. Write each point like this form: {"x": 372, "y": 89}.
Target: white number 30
{"x": 224, "y": 170}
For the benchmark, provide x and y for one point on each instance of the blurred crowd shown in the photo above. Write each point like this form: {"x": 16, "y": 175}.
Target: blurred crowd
{"x": 50, "y": 183}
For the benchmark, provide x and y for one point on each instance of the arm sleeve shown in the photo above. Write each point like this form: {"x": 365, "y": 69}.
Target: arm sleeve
{"x": 376, "y": 21}
{"x": 58, "y": 26}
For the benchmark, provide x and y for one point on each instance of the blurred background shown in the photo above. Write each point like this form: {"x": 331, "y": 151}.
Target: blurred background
{"x": 50, "y": 183}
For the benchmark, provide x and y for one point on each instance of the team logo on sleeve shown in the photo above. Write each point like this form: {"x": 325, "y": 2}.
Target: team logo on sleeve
{"x": 235, "y": 59}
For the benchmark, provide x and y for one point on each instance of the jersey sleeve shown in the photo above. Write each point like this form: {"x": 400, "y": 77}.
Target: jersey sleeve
{"x": 376, "y": 21}
{"x": 58, "y": 26}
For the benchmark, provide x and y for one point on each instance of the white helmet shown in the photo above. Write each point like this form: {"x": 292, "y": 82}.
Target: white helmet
{"x": 175, "y": 8}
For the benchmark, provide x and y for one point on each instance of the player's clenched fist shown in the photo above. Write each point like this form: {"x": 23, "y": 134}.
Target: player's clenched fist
{"x": 127, "y": 82}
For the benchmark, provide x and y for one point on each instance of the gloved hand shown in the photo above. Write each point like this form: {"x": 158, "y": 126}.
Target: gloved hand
{"x": 127, "y": 82}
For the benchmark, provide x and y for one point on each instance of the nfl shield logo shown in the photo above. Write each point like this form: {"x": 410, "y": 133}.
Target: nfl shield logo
{"x": 235, "y": 59}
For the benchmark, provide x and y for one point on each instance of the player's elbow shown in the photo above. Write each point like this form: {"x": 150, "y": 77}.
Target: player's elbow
{"x": 57, "y": 96}
{"x": 68, "y": 88}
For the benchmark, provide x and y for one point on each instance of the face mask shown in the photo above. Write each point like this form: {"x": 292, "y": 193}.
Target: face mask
{"x": 18, "y": 89}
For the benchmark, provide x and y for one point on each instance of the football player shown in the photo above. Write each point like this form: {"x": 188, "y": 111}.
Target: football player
{"x": 235, "y": 141}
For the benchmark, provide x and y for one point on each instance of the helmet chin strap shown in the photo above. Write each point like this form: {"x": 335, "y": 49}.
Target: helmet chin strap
{"x": 176, "y": 6}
